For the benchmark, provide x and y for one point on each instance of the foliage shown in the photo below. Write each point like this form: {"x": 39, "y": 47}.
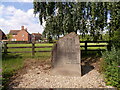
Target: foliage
{"x": 83, "y": 17}
{"x": 105, "y": 37}
{"x": 116, "y": 39}
{"x": 9, "y": 36}
{"x": 111, "y": 67}
{"x": 114, "y": 18}
{"x": 89, "y": 38}
{"x": 50, "y": 39}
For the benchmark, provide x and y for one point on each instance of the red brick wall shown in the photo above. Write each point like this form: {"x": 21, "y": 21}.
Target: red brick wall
{"x": 22, "y": 36}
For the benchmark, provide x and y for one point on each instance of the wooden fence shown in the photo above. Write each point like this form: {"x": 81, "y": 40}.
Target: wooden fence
{"x": 86, "y": 45}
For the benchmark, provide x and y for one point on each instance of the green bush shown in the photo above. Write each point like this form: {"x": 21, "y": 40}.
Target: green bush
{"x": 111, "y": 67}
{"x": 116, "y": 38}
{"x": 50, "y": 39}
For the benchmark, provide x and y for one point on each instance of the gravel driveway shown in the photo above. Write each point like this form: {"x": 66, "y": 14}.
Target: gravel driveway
{"x": 38, "y": 75}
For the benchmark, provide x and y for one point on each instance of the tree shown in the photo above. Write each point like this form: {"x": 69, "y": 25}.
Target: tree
{"x": 87, "y": 18}
{"x": 9, "y": 36}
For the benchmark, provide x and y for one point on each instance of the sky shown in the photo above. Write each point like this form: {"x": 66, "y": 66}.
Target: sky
{"x": 17, "y": 13}
{"x": 13, "y": 15}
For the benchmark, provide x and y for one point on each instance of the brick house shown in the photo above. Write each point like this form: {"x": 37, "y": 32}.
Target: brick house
{"x": 36, "y": 36}
{"x": 20, "y": 35}
{"x": 2, "y": 36}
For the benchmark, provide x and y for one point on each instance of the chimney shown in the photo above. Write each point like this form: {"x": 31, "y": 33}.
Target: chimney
{"x": 22, "y": 27}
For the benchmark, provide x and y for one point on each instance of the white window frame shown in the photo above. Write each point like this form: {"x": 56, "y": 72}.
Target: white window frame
{"x": 23, "y": 35}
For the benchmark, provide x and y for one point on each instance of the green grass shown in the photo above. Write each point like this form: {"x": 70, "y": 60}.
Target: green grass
{"x": 38, "y": 54}
{"x": 41, "y": 54}
{"x": 18, "y": 45}
{"x": 47, "y": 44}
{"x": 10, "y": 64}
{"x": 13, "y": 62}
{"x": 46, "y": 54}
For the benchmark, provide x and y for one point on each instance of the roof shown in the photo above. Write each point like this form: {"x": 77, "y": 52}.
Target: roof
{"x": 36, "y": 34}
{"x": 14, "y": 32}
{"x": 1, "y": 31}
{"x": 2, "y": 35}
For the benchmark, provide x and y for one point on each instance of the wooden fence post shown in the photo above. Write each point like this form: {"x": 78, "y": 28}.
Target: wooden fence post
{"x": 33, "y": 48}
{"x": 5, "y": 48}
{"x": 109, "y": 45}
{"x": 86, "y": 47}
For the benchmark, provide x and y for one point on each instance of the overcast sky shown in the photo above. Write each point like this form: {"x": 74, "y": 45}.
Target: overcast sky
{"x": 13, "y": 15}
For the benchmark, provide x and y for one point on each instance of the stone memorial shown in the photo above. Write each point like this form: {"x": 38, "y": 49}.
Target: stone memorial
{"x": 66, "y": 56}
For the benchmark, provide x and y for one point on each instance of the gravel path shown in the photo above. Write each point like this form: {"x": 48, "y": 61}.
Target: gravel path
{"x": 39, "y": 76}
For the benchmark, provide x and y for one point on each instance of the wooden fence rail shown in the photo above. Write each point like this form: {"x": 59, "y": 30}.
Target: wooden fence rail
{"x": 33, "y": 47}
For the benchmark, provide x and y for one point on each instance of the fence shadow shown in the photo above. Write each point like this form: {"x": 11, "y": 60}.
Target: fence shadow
{"x": 86, "y": 68}
{"x": 10, "y": 56}
{"x": 88, "y": 59}
{"x": 85, "y": 54}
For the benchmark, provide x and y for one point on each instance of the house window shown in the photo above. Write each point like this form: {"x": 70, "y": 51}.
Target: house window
{"x": 14, "y": 39}
{"x": 13, "y": 35}
{"x": 23, "y": 35}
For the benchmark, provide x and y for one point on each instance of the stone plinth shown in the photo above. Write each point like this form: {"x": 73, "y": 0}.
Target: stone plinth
{"x": 66, "y": 57}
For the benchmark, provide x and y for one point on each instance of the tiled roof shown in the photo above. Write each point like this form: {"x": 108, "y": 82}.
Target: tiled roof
{"x": 2, "y": 35}
{"x": 14, "y": 32}
{"x": 36, "y": 34}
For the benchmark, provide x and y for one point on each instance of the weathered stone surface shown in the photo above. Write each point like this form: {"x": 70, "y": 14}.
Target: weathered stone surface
{"x": 66, "y": 58}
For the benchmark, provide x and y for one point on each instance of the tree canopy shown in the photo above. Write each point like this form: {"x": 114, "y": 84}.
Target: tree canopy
{"x": 87, "y": 18}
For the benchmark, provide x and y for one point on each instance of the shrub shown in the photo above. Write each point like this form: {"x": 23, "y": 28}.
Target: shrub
{"x": 111, "y": 67}
{"x": 116, "y": 38}
{"x": 50, "y": 39}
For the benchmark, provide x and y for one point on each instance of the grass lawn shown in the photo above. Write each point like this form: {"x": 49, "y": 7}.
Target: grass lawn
{"x": 12, "y": 62}
{"x": 47, "y": 44}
